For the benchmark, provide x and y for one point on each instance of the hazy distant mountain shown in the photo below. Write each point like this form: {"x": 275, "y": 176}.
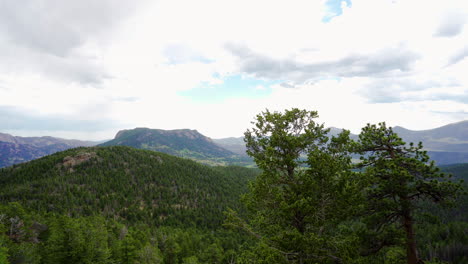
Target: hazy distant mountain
{"x": 233, "y": 144}
{"x": 451, "y": 138}
{"x": 15, "y": 150}
{"x": 237, "y": 144}
{"x": 180, "y": 142}
{"x": 446, "y": 145}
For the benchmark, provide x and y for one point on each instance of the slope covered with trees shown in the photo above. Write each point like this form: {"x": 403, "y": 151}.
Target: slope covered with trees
{"x": 118, "y": 205}
{"x": 127, "y": 184}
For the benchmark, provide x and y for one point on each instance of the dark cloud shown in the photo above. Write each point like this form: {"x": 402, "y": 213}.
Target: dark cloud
{"x": 57, "y": 27}
{"x": 459, "y": 56}
{"x": 451, "y": 25}
{"x": 12, "y": 118}
{"x": 77, "y": 68}
{"x": 385, "y": 62}
{"x": 287, "y": 85}
{"x": 44, "y": 36}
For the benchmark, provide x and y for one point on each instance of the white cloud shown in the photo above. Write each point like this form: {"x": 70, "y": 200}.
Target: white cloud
{"x": 403, "y": 62}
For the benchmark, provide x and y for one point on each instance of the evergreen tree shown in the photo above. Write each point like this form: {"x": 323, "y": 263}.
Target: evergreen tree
{"x": 3, "y": 255}
{"x": 399, "y": 176}
{"x": 304, "y": 192}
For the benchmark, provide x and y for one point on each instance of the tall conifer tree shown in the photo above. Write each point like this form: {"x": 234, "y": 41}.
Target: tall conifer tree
{"x": 399, "y": 176}
{"x": 304, "y": 191}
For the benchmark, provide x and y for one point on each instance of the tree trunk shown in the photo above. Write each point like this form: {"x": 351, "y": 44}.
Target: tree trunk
{"x": 411, "y": 251}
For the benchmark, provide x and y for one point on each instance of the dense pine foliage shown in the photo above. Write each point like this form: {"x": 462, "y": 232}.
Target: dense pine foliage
{"x": 444, "y": 233}
{"x": 126, "y": 184}
{"x": 118, "y": 205}
{"x": 30, "y": 238}
{"x": 319, "y": 209}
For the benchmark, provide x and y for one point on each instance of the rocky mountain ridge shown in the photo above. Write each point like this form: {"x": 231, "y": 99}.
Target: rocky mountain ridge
{"x": 184, "y": 143}
{"x": 14, "y": 149}
{"x": 446, "y": 145}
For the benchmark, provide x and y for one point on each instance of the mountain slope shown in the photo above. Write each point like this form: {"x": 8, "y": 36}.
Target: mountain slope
{"x": 233, "y": 144}
{"x": 181, "y": 142}
{"x": 446, "y": 145}
{"x": 126, "y": 184}
{"x": 237, "y": 144}
{"x": 15, "y": 150}
{"x": 459, "y": 171}
{"x": 448, "y": 138}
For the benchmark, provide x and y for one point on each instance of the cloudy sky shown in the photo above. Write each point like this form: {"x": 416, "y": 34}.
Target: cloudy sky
{"x": 85, "y": 69}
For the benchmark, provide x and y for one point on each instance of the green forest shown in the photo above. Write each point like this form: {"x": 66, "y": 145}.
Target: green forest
{"x": 309, "y": 200}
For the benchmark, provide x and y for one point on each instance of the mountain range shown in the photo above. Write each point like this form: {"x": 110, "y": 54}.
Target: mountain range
{"x": 449, "y": 138}
{"x": 446, "y": 145}
{"x": 15, "y": 150}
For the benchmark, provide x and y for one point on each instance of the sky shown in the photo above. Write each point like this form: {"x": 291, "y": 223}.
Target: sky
{"x": 86, "y": 69}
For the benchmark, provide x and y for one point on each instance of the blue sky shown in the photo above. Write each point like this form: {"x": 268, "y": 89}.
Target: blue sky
{"x": 334, "y": 7}
{"x": 87, "y": 69}
{"x": 229, "y": 87}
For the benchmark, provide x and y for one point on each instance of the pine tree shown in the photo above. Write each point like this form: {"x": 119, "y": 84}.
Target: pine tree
{"x": 304, "y": 192}
{"x": 399, "y": 176}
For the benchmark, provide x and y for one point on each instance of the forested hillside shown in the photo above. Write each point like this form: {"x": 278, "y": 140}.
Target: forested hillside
{"x": 457, "y": 170}
{"x": 118, "y": 205}
{"x": 126, "y": 184}
{"x": 443, "y": 232}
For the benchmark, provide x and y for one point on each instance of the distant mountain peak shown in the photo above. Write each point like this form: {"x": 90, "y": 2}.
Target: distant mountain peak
{"x": 14, "y": 149}
{"x": 193, "y": 133}
{"x": 7, "y": 138}
{"x": 188, "y": 143}
{"x": 461, "y": 122}
{"x": 400, "y": 129}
